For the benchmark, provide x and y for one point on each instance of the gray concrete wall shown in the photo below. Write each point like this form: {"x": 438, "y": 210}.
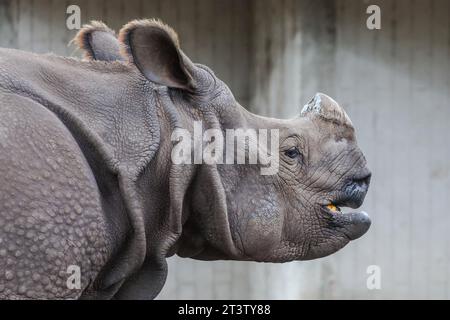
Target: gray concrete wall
{"x": 275, "y": 54}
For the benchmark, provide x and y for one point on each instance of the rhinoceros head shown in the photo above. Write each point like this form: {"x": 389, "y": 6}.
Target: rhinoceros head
{"x": 231, "y": 210}
{"x": 292, "y": 213}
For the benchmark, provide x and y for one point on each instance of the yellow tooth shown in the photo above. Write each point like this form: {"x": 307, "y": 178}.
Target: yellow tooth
{"x": 332, "y": 207}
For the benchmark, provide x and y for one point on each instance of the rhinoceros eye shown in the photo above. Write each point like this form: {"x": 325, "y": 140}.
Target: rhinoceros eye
{"x": 292, "y": 153}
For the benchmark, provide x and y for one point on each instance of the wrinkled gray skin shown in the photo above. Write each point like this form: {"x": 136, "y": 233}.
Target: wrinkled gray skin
{"x": 87, "y": 178}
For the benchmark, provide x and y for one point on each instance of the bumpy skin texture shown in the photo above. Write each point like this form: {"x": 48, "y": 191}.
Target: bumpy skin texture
{"x": 88, "y": 181}
{"x": 49, "y": 205}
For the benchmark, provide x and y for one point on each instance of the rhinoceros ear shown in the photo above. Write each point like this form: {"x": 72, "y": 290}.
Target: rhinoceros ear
{"x": 98, "y": 42}
{"x": 154, "y": 48}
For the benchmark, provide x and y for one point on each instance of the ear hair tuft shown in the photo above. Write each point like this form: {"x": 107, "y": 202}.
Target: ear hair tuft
{"x": 124, "y": 34}
{"x": 84, "y": 35}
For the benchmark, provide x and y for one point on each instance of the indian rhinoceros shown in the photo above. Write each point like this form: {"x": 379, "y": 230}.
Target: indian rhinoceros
{"x": 87, "y": 179}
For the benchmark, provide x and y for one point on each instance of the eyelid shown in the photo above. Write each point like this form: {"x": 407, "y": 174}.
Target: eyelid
{"x": 298, "y": 141}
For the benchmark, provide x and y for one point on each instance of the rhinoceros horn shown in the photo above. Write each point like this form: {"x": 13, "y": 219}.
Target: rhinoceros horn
{"x": 327, "y": 109}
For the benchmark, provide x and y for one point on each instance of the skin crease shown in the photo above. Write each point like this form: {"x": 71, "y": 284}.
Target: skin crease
{"x": 85, "y": 149}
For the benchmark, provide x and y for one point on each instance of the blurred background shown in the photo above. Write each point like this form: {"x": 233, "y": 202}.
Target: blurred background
{"x": 275, "y": 54}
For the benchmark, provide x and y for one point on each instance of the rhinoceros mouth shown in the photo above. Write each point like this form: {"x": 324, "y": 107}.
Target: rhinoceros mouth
{"x": 352, "y": 224}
